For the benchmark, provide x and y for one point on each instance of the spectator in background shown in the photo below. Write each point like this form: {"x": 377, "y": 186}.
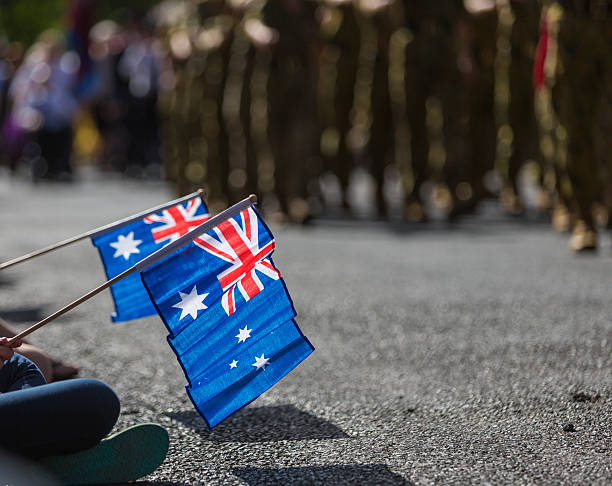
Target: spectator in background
{"x": 12, "y": 139}
{"x": 107, "y": 44}
{"x": 138, "y": 72}
{"x": 44, "y": 105}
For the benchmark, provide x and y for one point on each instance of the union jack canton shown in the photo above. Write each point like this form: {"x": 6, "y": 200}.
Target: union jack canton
{"x": 177, "y": 220}
{"x": 239, "y": 246}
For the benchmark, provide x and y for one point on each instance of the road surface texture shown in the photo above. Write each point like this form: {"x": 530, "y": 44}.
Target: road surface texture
{"x": 473, "y": 353}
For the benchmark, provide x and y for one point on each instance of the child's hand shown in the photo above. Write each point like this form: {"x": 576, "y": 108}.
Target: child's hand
{"x": 6, "y": 351}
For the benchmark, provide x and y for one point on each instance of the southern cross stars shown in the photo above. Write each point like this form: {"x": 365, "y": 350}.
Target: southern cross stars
{"x": 244, "y": 334}
{"x": 261, "y": 362}
{"x": 191, "y": 303}
{"x": 126, "y": 245}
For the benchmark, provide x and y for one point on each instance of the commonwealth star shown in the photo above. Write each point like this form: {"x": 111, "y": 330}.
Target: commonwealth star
{"x": 191, "y": 303}
{"x": 244, "y": 334}
{"x": 126, "y": 245}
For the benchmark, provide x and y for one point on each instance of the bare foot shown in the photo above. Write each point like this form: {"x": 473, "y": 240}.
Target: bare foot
{"x": 62, "y": 370}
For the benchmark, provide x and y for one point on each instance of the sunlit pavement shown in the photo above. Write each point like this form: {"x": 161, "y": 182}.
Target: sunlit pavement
{"x": 478, "y": 352}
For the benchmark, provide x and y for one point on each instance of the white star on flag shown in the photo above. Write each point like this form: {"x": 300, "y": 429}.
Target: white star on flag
{"x": 261, "y": 362}
{"x": 191, "y": 303}
{"x": 233, "y": 364}
{"x": 126, "y": 245}
{"x": 244, "y": 334}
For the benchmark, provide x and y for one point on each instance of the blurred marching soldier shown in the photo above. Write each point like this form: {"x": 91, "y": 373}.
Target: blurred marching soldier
{"x": 381, "y": 15}
{"x": 245, "y": 104}
{"x": 215, "y": 39}
{"x": 254, "y": 105}
{"x": 552, "y": 140}
{"x": 478, "y": 67}
{"x": 521, "y": 108}
{"x": 292, "y": 102}
{"x": 432, "y": 71}
{"x": 339, "y": 62}
{"x": 582, "y": 99}
{"x": 181, "y": 120}
{"x": 197, "y": 141}
{"x": 242, "y": 168}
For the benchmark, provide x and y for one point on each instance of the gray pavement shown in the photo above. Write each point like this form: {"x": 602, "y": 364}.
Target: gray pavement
{"x": 477, "y": 353}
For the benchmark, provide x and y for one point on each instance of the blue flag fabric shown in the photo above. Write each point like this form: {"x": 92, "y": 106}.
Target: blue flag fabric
{"x": 229, "y": 315}
{"x": 122, "y": 247}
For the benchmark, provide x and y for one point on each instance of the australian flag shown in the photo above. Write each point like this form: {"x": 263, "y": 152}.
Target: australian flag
{"x": 121, "y": 247}
{"x": 229, "y": 315}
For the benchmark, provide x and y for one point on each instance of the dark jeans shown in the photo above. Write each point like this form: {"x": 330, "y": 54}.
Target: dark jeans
{"x": 45, "y": 419}
{"x": 19, "y": 373}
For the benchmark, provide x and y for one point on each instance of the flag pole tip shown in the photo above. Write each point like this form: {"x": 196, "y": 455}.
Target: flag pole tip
{"x": 201, "y": 192}
{"x": 253, "y": 198}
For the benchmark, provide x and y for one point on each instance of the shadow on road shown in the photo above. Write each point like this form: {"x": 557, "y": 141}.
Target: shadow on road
{"x": 486, "y": 220}
{"x": 378, "y": 474}
{"x": 23, "y": 314}
{"x": 264, "y": 424}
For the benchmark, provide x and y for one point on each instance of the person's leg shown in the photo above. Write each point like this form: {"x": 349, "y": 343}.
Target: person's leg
{"x": 57, "y": 418}
{"x": 61, "y": 427}
{"x": 417, "y": 89}
{"x": 19, "y": 373}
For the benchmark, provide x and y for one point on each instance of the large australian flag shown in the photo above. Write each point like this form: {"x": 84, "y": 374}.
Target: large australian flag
{"x": 229, "y": 315}
{"x": 122, "y": 247}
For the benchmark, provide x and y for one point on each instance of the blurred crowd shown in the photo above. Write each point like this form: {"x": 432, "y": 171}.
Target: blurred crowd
{"x": 94, "y": 85}
{"x": 455, "y": 99}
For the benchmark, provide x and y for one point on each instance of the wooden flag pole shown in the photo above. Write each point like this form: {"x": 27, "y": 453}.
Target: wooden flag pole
{"x": 146, "y": 262}
{"x": 98, "y": 231}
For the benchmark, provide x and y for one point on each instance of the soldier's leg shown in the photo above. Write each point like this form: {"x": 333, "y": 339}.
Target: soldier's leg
{"x": 521, "y": 106}
{"x": 455, "y": 112}
{"x": 578, "y": 47}
{"x": 521, "y": 117}
{"x": 292, "y": 140}
{"x": 303, "y": 148}
{"x": 416, "y": 92}
{"x": 381, "y": 132}
{"x": 343, "y": 101}
{"x": 483, "y": 131}
{"x": 246, "y": 107}
{"x": 277, "y": 134}
{"x": 213, "y": 127}
{"x": 603, "y": 143}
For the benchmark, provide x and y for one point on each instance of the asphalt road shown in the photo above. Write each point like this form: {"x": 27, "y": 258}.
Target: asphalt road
{"x": 477, "y": 353}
